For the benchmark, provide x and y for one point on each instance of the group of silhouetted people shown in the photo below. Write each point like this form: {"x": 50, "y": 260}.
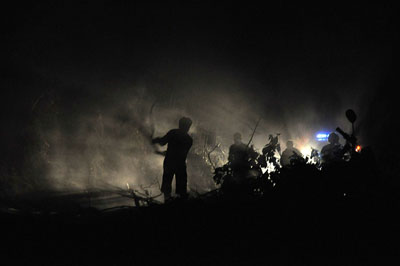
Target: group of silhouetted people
{"x": 179, "y": 143}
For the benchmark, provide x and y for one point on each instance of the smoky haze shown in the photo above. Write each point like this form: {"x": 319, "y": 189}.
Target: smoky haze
{"x": 91, "y": 137}
{"x": 80, "y": 82}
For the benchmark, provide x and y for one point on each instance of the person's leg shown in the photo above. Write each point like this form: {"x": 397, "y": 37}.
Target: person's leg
{"x": 166, "y": 185}
{"x": 181, "y": 181}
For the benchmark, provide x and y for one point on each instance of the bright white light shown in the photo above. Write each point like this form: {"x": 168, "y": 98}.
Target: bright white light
{"x": 306, "y": 150}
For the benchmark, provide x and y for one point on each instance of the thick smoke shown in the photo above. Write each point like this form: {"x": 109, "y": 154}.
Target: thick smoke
{"x": 97, "y": 136}
{"x": 79, "y": 83}
{"x": 94, "y": 133}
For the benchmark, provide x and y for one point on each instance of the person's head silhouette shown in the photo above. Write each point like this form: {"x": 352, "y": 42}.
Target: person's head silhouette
{"x": 333, "y": 138}
{"x": 237, "y": 138}
{"x": 289, "y": 144}
{"x": 185, "y": 124}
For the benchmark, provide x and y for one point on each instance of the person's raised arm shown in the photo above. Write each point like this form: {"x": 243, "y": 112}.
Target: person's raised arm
{"x": 163, "y": 140}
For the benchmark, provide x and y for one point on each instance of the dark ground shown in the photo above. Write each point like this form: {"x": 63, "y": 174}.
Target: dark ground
{"x": 274, "y": 230}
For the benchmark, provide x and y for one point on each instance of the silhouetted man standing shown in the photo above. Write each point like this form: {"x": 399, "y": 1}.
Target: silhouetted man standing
{"x": 238, "y": 157}
{"x": 179, "y": 144}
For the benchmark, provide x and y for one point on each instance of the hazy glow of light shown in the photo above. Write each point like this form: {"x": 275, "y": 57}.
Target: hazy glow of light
{"x": 306, "y": 150}
{"x": 358, "y": 148}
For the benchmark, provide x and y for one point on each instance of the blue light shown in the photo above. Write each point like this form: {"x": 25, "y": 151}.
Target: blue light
{"x": 322, "y": 136}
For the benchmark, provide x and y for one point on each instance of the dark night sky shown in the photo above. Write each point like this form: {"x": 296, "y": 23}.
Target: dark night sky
{"x": 314, "y": 44}
{"x": 283, "y": 58}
